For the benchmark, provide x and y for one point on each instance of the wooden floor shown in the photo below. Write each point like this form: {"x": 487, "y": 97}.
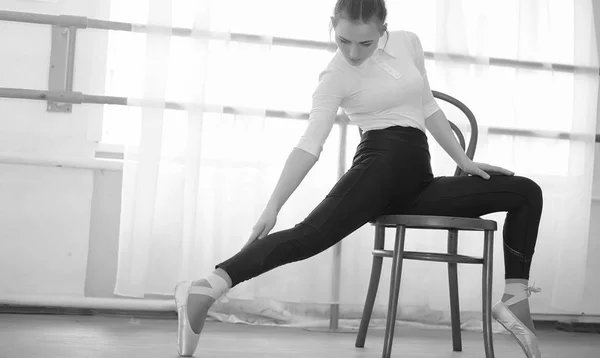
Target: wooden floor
{"x": 50, "y": 336}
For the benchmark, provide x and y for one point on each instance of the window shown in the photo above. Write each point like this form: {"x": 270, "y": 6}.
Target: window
{"x": 509, "y": 96}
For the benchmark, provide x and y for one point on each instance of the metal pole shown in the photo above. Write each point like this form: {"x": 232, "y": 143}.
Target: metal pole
{"x": 109, "y": 25}
{"x": 334, "y": 314}
{"x": 84, "y": 22}
{"x": 78, "y": 98}
{"x": 30, "y": 18}
{"x": 71, "y": 58}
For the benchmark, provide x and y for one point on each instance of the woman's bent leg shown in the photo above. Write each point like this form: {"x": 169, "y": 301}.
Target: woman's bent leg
{"x": 471, "y": 196}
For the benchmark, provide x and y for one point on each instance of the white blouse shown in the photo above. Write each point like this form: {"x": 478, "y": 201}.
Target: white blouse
{"x": 389, "y": 89}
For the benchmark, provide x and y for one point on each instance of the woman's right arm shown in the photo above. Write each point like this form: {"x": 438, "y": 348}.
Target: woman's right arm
{"x": 297, "y": 165}
{"x": 325, "y": 103}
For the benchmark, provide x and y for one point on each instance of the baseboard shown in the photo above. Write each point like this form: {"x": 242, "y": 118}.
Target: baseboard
{"x": 115, "y": 304}
{"x": 164, "y": 309}
{"x": 580, "y": 327}
{"x": 88, "y": 306}
{"x": 81, "y": 311}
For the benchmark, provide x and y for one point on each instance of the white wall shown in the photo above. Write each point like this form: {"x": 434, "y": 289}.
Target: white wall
{"x": 45, "y": 212}
{"x": 104, "y": 234}
{"x": 591, "y": 302}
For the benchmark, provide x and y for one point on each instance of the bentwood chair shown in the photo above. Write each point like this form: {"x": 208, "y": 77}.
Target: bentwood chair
{"x": 451, "y": 224}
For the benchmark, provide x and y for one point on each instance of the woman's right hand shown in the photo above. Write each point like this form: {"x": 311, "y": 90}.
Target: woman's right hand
{"x": 263, "y": 226}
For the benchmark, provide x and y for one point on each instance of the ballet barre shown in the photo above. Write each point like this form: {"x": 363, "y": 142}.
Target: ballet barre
{"x": 70, "y": 97}
{"x": 80, "y": 22}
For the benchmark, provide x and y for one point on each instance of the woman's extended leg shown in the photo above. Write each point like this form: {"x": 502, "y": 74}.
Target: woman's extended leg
{"x": 360, "y": 195}
{"x": 388, "y": 164}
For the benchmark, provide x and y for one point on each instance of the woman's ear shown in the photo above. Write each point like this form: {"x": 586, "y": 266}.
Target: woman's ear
{"x": 384, "y": 28}
{"x": 333, "y": 22}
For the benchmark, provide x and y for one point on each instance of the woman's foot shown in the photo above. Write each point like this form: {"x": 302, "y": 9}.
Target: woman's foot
{"x": 193, "y": 300}
{"x": 513, "y": 313}
{"x": 521, "y": 310}
{"x": 202, "y": 295}
{"x": 187, "y": 339}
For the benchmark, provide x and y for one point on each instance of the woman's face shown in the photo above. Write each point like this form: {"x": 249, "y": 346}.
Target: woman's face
{"x": 357, "y": 41}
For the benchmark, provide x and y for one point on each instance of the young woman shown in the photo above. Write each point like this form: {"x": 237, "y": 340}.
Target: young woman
{"x": 379, "y": 79}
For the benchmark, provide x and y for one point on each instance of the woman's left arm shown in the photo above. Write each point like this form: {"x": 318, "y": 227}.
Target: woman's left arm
{"x": 437, "y": 124}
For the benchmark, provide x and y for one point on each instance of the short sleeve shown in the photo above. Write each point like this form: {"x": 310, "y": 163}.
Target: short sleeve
{"x": 326, "y": 101}
{"x": 430, "y": 106}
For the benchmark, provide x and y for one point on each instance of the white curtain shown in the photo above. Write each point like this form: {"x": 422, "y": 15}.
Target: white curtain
{"x": 196, "y": 180}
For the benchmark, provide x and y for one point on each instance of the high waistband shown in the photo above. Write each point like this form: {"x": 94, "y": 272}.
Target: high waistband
{"x": 403, "y": 150}
{"x": 391, "y": 137}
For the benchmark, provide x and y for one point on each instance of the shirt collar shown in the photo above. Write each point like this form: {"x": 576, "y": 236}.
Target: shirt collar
{"x": 386, "y": 47}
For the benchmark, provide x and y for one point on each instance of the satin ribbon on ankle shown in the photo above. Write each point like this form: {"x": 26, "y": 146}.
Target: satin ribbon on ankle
{"x": 519, "y": 292}
{"x": 532, "y": 289}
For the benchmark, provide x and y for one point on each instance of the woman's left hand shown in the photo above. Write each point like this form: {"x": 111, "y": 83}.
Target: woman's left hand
{"x": 484, "y": 170}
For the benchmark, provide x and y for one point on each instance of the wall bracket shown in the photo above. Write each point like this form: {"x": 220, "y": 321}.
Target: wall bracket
{"x": 62, "y": 63}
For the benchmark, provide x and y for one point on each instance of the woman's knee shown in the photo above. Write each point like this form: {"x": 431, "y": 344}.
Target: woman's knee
{"x": 529, "y": 189}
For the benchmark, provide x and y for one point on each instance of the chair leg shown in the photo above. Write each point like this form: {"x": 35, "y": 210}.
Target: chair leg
{"x": 453, "y": 284}
{"x": 394, "y": 291}
{"x": 372, "y": 290}
{"x": 488, "y": 255}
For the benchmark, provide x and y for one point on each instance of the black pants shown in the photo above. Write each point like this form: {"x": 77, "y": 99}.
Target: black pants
{"x": 391, "y": 174}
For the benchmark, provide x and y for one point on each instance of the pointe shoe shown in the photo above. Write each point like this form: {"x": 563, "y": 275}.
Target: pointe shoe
{"x": 187, "y": 340}
{"x": 524, "y": 336}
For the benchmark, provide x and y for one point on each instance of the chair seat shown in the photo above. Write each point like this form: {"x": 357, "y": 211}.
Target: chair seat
{"x": 435, "y": 222}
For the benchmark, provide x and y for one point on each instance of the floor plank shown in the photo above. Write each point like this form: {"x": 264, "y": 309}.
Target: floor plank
{"x": 49, "y": 336}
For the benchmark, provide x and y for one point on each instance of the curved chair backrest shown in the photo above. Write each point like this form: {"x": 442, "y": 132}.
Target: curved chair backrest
{"x": 470, "y": 149}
